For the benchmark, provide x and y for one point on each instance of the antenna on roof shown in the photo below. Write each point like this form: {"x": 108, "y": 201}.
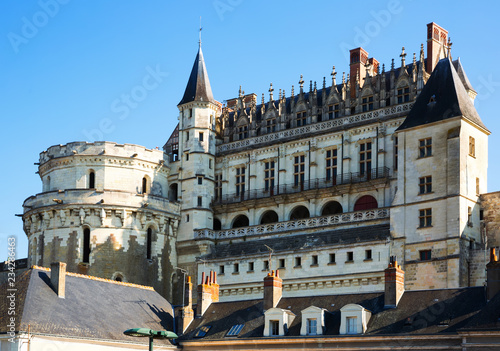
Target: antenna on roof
{"x": 199, "y": 42}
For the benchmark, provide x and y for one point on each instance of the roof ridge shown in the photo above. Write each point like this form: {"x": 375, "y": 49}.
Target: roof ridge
{"x": 91, "y": 277}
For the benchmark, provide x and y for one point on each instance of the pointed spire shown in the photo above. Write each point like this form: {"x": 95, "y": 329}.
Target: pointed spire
{"x": 315, "y": 89}
{"x": 343, "y": 78}
{"x": 392, "y": 65}
{"x": 198, "y": 86}
{"x": 403, "y": 55}
{"x": 414, "y": 60}
{"x": 324, "y": 82}
{"x": 284, "y": 95}
{"x": 271, "y": 92}
{"x": 422, "y": 57}
{"x": 383, "y": 68}
{"x": 293, "y": 94}
{"x": 301, "y": 82}
{"x": 280, "y": 94}
{"x": 240, "y": 95}
{"x": 449, "y": 44}
{"x": 310, "y": 85}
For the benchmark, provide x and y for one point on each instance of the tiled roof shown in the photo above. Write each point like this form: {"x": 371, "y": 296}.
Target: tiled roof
{"x": 198, "y": 86}
{"x": 92, "y": 308}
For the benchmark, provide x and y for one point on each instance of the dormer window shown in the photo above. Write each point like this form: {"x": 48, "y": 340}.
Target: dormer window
{"x": 271, "y": 125}
{"x": 367, "y": 103}
{"x": 313, "y": 321}
{"x": 301, "y": 118}
{"x": 277, "y": 321}
{"x": 354, "y": 319}
{"x": 403, "y": 95}
{"x": 333, "y": 111}
{"x": 242, "y": 132}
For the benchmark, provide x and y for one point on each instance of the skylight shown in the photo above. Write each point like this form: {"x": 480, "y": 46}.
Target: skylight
{"x": 202, "y": 331}
{"x": 235, "y": 330}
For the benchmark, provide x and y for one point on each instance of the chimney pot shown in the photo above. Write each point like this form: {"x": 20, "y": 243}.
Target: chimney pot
{"x": 394, "y": 283}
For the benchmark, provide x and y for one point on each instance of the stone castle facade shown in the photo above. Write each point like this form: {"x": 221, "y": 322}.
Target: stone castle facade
{"x": 324, "y": 184}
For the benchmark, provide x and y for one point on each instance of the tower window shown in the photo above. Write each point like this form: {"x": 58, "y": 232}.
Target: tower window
{"x": 425, "y": 185}
{"x": 301, "y": 119}
{"x": 425, "y": 147}
{"x": 144, "y": 185}
{"x": 200, "y": 180}
{"x": 472, "y": 147}
{"x": 190, "y": 114}
{"x": 187, "y": 218}
{"x": 271, "y": 125}
{"x": 149, "y": 241}
{"x": 86, "y": 245}
{"x": 403, "y": 95}
{"x": 187, "y": 136}
{"x": 367, "y": 103}
{"x": 91, "y": 180}
{"x": 201, "y": 136}
{"x": 200, "y": 201}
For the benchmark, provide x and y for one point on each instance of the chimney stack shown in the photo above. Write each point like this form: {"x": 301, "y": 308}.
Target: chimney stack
{"x": 436, "y": 45}
{"x": 208, "y": 292}
{"x": 58, "y": 278}
{"x": 187, "y": 309}
{"x": 358, "y": 60}
{"x": 273, "y": 287}
{"x": 394, "y": 283}
{"x": 493, "y": 274}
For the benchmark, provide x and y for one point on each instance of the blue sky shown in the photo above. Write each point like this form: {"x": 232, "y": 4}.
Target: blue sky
{"x": 67, "y": 66}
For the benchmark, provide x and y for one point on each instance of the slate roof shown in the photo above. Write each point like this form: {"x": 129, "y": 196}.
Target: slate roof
{"x": 198, "y": 86}
{"x": 442, "y": 97}
{"x": 93, "y": 308}
{"x": 362, "y": 233}
{"x": 419, "y": 312}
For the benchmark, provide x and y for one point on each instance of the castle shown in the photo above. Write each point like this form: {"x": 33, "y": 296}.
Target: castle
{"x": 324, "y": 184}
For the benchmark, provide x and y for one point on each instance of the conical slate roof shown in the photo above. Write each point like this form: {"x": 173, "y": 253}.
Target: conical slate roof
{"x": 198, "y": 86}
{"x": 443, "y": 97}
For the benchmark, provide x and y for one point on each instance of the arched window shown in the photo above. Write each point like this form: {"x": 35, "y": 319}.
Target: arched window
{"x": 149, "y": 243}
{"x": 299, "y": 212}
{"x": 86, "y": 245}
{"x": 91, "y": 180}
{"x": 217, "y": 224}
{"x": 173, "y": 192}
{"x": 269, "y": 217}
{"x": 241, "y": 221}
{"x": 332, "y": 207}
{"x": 144, "y": 185}
{"x": 366, "y": 202}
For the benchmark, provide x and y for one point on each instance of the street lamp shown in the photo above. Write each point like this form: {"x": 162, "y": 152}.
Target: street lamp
{"x": 152, "y": 334}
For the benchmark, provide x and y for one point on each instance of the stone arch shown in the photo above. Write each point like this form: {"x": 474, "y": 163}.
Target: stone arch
{"x": 173, "y": 192}
{"x": 269, "y": 216}
{"x": 366, "y": 202}
{"x": 240, "y": 221}
{"x": 299, "y": 212}
{"x": 145, "y": 184}
{"x": 118, "y": 276}
{"x": 217, "y": 224}
{"x": 331, "y": 207}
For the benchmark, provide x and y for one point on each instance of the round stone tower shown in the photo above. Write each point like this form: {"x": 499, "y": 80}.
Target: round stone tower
{"x": 104, "y": 210}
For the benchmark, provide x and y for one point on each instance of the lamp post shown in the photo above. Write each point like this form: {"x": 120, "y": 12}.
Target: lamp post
{"x": 152, "y": 334}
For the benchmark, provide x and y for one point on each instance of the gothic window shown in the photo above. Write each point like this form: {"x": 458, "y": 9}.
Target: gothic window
{"x": 271, "y": 125}
{"x": 365, "y": 158}
{"x": 403, "y": 95}
{"x": 269, "y": 176}
{"x": 91, "y": 180}
{"x": 425, "y": 185}
{"x": 331, "y": 165}
{"x": 367, "y": 103}
{"x": 86, "y": 245}
{"x": 425, "y": 147}
{"x": 333, "y": 111}
{"x": 425, "y": 218}
{"x": 240, "y": 181}
{"x": 242, "y": 132}
{"x": 299, "y": 170}
{"x": 144, "y": 185}
{"x": 149, "y": 242}
{"x": 301, "y": 118}
{"x": 218, "y": 186}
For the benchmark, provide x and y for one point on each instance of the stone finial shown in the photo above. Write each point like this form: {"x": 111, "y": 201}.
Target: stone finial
{"x": 240, "y": 95}
{"x": 280, "y": 94}
{"x": 293, "y": 94}
{"x": 315, "y": 88}
{"x": 310, "y": 85}
{"x": 392, "y": 65}
{"x": 343, "y": 78}
{"x": 403, "y": 55}
{"x": 301, "y": 82}
{"x": 324, "y": 82}
{"x": 448, "y": 47}
{"x": 422, "y": 57}
{"x": 263, "y": 99}
{"x": 334, "y": 75}
{"x": 271, "y": 92}
{"x": 383, "y": 68}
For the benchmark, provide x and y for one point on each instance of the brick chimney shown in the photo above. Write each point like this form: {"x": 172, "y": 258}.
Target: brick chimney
{"x": 358, "y": 58}
{"x": 208, "y": 292}
{"x": 493, "y": 274}
{"x": 394, "y": 283}
{"x": 187, "y": 310}
{"x": 436, "y": 45}
{"x": 58, "y": 278}
{"x": 273, "y": 288}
